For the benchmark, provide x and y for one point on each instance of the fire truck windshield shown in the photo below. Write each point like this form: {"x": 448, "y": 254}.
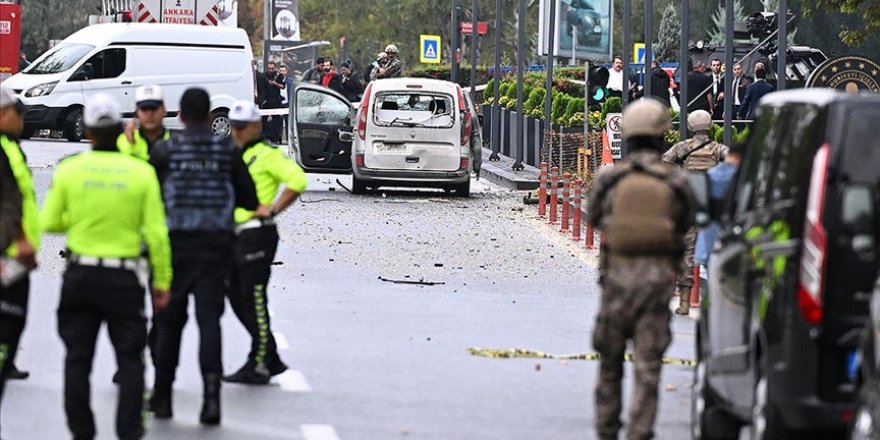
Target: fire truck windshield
{"x": 59, "y": 59}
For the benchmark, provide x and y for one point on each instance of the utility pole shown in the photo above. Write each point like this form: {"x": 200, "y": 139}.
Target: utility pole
{"x": 782, "y": 44}
{"x": 649, "y": 44}
{"x": 520, "y": 63}
{"x": 548, "y": 86}
{"x": 496, "y": 89}
{"x": 683, "y": 71}
{"x": 728, "y": 72}
{"x": 453, "y": 74}
{"x": 474, "y": 12}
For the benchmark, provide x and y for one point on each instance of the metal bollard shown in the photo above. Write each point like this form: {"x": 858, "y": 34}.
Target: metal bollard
{"x": 695, "y": 291}
{"x": 566, "y": 200}
{"x": 576, "y": 221}
{"x": 542, "y": 191}
{"x": 554, "y": 193}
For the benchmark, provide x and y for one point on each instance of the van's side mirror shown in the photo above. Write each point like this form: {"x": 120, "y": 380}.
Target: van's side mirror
{"x": 700, "y": 189}
{"x": 859, "y": 215}
{"x": 481, "y": 119}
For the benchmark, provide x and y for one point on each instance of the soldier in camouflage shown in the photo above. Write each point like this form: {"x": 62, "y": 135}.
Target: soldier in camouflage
{"x": 393, "y": 67}
{"x": 698, "y": 153}
{"x": 644, "y": 207}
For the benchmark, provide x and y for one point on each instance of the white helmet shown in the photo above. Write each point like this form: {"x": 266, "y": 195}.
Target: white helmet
{"x": 699, "y": 120}
{"x": 389, "y": 49}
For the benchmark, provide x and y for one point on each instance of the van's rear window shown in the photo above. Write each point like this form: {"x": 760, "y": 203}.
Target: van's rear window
{"x": 414, "y": 109}
{"x": 861, "y": 153}
{"x": 59, "y": 59}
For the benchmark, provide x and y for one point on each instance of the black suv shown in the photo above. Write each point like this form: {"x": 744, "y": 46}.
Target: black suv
{"x": 791, "y": 274}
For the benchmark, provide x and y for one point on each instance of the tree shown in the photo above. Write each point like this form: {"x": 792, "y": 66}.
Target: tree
{"x": 716, "y": 37}
{"x": 668, "y": 40}
{"x": 853, "y": 35}
{"x": 41, "y": 23}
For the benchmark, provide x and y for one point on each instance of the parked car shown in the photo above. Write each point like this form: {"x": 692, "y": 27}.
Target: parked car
{"x": 413, "y": 132}
{"x": 790, "y": 276}
{"x": 866, "y": 423}
{"x": 116, "y": 58}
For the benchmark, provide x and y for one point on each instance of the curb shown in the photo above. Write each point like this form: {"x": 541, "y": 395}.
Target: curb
{"x": 500, "y": 172}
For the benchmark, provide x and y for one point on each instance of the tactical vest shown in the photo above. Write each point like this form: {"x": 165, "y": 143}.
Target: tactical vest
{"x": 643, "y": 212}
{"x": 702, "y": 158}
{"x": 198, "y": 192}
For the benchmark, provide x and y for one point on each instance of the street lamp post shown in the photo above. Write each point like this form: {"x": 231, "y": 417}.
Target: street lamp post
{"x": 683, "y": 71}
{"x": 474, "y": 12}
{"x": 520, "y": 62}
{"x": 649, "y": 44}
{"x": 728, "y": 72}
{"x": 453, "y": 74}
{"x": 627, "y": 47}
{"x": 496, "y": 111}
{"x": 548, "y": 86}
{"x": 782, "y": 44}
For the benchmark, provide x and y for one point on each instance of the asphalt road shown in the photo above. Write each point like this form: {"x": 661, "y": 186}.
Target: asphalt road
{"x": 373, "y": 359}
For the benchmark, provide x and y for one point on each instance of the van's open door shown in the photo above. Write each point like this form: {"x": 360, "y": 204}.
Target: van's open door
{"x": 317, "y": 116}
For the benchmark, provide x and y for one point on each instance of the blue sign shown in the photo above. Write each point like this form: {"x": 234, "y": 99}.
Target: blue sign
{"x": 430, "y": 49}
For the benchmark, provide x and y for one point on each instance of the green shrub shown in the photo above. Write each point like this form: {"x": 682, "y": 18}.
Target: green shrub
{"x": 596, "y": 121}
{"x": 534, "y": 101}
{"x": 558, "y": 106}
{"x": 611, "y": 105}
{"x": 716, "y": 133}
{"x": 511, "y": 103}
{"x": 573, "y": 106}
{"x": 511, "y": 91}
{"x": 489, "y": 91}
{"x": 576, "y": 120}
{"x": 671, "y": 137}
{"x": 743, "y": 135}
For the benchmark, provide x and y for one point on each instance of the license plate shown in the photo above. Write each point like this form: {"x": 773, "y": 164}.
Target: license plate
{"x": 390, "y": 148}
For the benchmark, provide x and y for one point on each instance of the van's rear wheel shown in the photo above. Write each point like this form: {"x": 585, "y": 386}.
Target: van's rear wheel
{"x": 220, "y": 123}
{"x": 73, "y": 127}
{"x": 463, "y": 189}
{"x": 358, "y": 186}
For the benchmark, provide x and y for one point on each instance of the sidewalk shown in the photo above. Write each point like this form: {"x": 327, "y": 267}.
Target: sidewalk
{"x": 501, "y": 173}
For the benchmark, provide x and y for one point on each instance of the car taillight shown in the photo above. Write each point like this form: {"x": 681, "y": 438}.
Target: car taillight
{"x": 811, "y": 283}
{"x": 463, "y": 165}
{"x": 359, "y": 160}
{"x": 365, "y": 106}
{"x": 466, "y": 119}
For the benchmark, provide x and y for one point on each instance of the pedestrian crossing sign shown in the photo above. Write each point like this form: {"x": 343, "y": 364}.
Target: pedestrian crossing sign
{"x": 430, "y": 49}
{"x": 639, "y": 53}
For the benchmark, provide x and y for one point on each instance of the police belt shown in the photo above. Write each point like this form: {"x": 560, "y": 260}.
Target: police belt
{"x": 254, "y": 223}
{"x": 132, "y": 264}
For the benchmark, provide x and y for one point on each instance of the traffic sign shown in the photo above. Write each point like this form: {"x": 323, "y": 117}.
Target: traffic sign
{"x": 467, "y": 27}
{"x": 430, "y": 49}
{"x": 639, "y": 53}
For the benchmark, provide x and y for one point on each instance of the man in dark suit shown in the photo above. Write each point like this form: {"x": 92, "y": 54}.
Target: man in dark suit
{"x": 754, "y": 92}
{"x": 740, "y": 82}
{"x": 699, "y": 87}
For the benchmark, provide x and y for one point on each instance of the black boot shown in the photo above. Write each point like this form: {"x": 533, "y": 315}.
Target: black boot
{"x": 211, "y": 403}
{"x": 160, "y": 401}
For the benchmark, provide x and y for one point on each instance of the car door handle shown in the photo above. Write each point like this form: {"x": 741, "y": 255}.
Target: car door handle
{"x": 412, "y": 159}
{"x": 125, "y": 83}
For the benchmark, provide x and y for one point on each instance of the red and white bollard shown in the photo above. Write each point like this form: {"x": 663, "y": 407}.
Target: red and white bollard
{"x": 695, "y": 291}
{"x": 576, "y": 221}
{"x": 554, "y": 193}
{"x": 591, "y": 236}
{"x": 542, "y": 191}
{"x": 566, "y": 200}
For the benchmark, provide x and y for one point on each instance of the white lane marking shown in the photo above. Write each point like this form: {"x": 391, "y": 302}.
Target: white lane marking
{"x": 293, "y": 381}
{"x": 318, "y": 432}
{"x": 281, "y": 341}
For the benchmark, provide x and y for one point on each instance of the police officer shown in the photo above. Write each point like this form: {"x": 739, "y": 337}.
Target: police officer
{"x": 203, "y": 178}
{"x": 150, "y": 113}
{"x": 698, "y": 153}
{"x": 108, "y": 203}
{"x": 393, "y": 67}
{"x": 258, "y": 240}
{"x": 644, "y": 208}
{"x": 25, "y": 238}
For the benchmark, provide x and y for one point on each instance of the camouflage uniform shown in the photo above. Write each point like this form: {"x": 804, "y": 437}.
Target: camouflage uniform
{"x": 702, "y": 160}
{"x": 635, "y": 305}
{"x": 393, "y": 68}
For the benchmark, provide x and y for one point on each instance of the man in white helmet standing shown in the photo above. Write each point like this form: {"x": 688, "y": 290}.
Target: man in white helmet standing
{"x": 393, "y": 66}
{"x": 699, "y": 153}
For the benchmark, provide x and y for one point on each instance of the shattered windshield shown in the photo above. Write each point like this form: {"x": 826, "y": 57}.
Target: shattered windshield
{"x": 59, "y": 59}
{"x": 414, "y": 109}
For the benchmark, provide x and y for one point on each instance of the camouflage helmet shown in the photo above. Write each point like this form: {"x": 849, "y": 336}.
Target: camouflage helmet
{"x": 699, "y": 120}
{"x": 390, "y": 49}
{"x": 645, "y": 117}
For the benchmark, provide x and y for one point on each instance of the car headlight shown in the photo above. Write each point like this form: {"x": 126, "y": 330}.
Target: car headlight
{"x": 40, "y": 90}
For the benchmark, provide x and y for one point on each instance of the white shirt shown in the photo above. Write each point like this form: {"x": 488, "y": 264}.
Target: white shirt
{"x": 615, "y": 80}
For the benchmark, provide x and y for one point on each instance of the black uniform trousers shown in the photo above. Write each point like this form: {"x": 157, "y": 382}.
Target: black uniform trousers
{"x": 89, "y": 297}
{"x": 254, "y": 252}
{"x": 13, "y": 310}
{"x": 201, "y": 264}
